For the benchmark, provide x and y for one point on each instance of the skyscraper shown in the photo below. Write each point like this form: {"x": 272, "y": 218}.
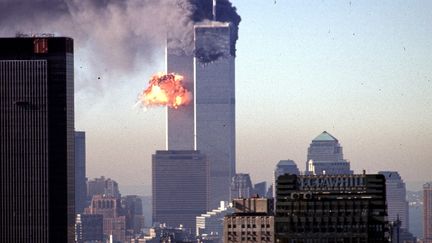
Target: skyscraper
{"x": 397, "y": 205}
{"x": 80, "y": 173}
{"x": 102, "y": 186}
{"x": 427, "y": 212}
{"x": 241, "y": 186}
{"x": 180, "y": 121}
{"x": 179, "y": 187}
{"x": 284, "y": 167}
{"x": 214, "y": 102}
{"x": 331, "y": 208}
{"x": 37, "y": 140}
{"x": 325, "y": 156}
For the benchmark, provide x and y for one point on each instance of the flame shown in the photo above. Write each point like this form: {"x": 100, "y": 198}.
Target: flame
{"x": 165, "y": 90}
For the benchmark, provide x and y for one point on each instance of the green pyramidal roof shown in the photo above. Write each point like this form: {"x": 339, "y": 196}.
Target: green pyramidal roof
{"x": 325, "y": 136}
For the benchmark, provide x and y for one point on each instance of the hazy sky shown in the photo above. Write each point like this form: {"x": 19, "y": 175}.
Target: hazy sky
{"x": 361, "y": 70}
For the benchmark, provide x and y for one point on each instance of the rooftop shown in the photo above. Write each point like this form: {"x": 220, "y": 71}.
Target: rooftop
{"x": 286, "y": 162}
{"x": 325, "y": 136}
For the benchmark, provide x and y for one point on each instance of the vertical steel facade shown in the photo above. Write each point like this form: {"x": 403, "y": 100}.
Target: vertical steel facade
{"x": 36, "y": 140}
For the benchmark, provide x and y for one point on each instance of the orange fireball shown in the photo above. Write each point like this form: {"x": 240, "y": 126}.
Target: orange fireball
{"x": 165, "y": 90}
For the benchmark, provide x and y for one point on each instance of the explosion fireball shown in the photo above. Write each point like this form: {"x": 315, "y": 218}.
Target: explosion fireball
{"x": 165, "y": 90}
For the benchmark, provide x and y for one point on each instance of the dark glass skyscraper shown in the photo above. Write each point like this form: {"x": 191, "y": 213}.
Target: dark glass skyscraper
{"x": 36, "y": 140}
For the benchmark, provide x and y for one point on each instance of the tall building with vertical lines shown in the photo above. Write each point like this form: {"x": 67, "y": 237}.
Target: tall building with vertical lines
{"x": 179, "y": 187}
{"x": 180, "y": 121}
{"x": 397, "y": 205}
{"x": 37, "y": 140}
{"x": 80, "y": 173}
{"x": 215, "y": 105}
{"x": 208, "y": 123}
{"x": 427, "y": 212}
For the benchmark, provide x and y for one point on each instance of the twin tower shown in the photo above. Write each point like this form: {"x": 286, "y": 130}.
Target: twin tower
{"x": 207, "y": 124}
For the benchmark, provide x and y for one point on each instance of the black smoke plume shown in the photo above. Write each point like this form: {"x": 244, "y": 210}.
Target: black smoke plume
{"x": 114, "y": 33}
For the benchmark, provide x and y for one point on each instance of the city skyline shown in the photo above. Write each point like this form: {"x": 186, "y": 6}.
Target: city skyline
{"x": 379, "y": 111}
{"x": 359, "y": 70}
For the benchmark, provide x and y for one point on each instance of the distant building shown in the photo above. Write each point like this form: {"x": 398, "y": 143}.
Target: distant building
{"x": 260, "y": 188}
{"x": 211, "y": 223}
{"x": 37, "y": 188}
{"x": 179, "y": 187}
{"x": 241, "y": 186}
{"x": 252, "y": 221}
{"x": 325, "y": 156}
{"x": 397, "y": 205}
{"x": 80, "y": 173}
{"x": 284, "y": 167}
{"x": 331, "y": 208}
{"x": 103, "y": 186}
{"x": 114, "y": 222}
{"x": 166, "y": 234}
{"x": 427, "y": 212}
{"x": 89, "y": 228}
{"x": 133, "y": 209}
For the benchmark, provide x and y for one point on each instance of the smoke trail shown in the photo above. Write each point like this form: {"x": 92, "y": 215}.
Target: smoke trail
{"x": 114, "y": 33}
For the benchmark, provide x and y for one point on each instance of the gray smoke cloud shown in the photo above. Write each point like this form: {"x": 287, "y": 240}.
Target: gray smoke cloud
{"x": 114, "y": 33}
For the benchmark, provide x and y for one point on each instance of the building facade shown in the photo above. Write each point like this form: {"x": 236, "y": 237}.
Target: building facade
{"x": 133, "y": 209}
{"x": 210, "y": 224}
{"x": 397, "y": 205}
{"x": 89, "y": 228}
{"x": 103, "y": 186}
{"x": 180, "y": 120}
{"x": 284, "y": 167}
{"x": 325, "y": 156}
{"x": 37, "y": 140}
{"x": 427, "y": 212}
{"x": 331, "y": 208}
{"x": 252, "y": 221}
{"x": 114, "y": 222}
{"x": 179, "y": 187}
{"x": 214, "y": 72}
{"x": 241, "y": 186}
{"x": 80, "y": 173}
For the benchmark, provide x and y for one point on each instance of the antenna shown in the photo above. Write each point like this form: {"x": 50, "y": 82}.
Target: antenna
{"x": 214, "y": 10}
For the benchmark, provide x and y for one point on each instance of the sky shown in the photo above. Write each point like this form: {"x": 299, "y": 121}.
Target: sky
{"x": 360, "y": 70}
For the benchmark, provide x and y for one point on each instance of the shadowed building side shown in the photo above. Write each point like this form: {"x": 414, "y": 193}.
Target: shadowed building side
{"x": 37, "y": 177}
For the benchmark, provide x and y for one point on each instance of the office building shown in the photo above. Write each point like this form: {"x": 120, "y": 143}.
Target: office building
{"x": 241, "y": 186}
{"x": 114, "y": 222}
{"x": 252, "y": 221}
{"x": 37, "y": 140}
{"x": 210, "y": 224}
{"x": 284, "y": 167}
{"x": 427, "y": 212}
{"x": 133, "y": 209}
{"x": 180, "y": 120}
{"x": 89, "y": 228}
{"x": 215, "y": 105}
{"x": 179, "y": 187}
{"x": 102, "y": 186}
{"x": 80, "y": 173}
{"x": 397, "y": 205}
{"x": 260, "y": 189}
{"x": 331, "y": 208}
{"x": 325, "y": 156}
